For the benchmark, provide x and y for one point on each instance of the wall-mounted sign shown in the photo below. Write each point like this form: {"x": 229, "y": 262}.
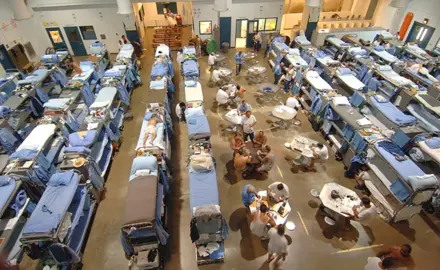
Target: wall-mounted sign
{"x": 50, "y": 24}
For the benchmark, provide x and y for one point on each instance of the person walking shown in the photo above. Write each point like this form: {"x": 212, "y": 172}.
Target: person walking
{"x": 239, "y": 60}
{"x": 248, "y": 121}
{"x": 278, "y": 72}
{"x": 277, "y": 244}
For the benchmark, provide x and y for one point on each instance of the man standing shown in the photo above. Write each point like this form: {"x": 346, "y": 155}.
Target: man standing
{"x": 278, "y": 72}
{"x": 248, "y": 121}
{"x": 239, "y": 59}
{"x": 211, "y": 61}
{"x": 277, "y": 244}
{"x": 288, "y": 79}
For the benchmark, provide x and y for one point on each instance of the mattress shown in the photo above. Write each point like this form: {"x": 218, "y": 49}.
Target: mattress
{"x": 430, "y": 102}
{"x": 198, "y": 127}
{"x": 158, "y": 84}
{"x": 302, "y": 40}
{"x": 105, "y": 98}
{"x": 316, "y": 81}
{"x": 351, "y": 81}
{"x": 38, "y": 137}
{"x": 349, "y": 115}
{"x": 158, "y": 141}
{"x": 404, "y": 168}
{"x": 385, "y": 56}
{"x": 426, "y": 119}
{"x": 162, "y": 49}
{"x": 338, "y": 42}
{"x": 52, "y": 206}
{"x": 85, "y": 76}
{"x": 203, "y": 189}
{"x": 433, "y": 153}
{"x": 57, "y": 103}
{"x": 6, "y": 192}
{"x": 190, "y": 68}
{"x": 159, "y": 70}
{"x": 296, "y": 60}
{"x": 430, "y": 80}
{"x": 395, "y": 78}
{"x": 194, "y": 93}
{"x": 392, "y": 113}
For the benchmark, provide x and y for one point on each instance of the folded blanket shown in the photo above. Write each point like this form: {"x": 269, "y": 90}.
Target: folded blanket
{"x": 423, "y": 182}
{"x": 24, "y": 154}
{"x": 379, "y": 48}
{"x": 87, "y": 140}
{"x": 380, "y": 99}
{"x": 433, "y": 143}
{"x": 190, "y": 83}
{"x": 344, "y": 71}
{"x": 158, "y": 85}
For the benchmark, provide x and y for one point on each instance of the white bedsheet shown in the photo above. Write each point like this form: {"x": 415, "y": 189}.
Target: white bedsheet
{"x": 351, "y": 81}
{"x": 194, "y": 93}
{"x": 385, "y": 56}
{"x": 85, "y": 76}
{"x": 337, "y": 42}
{"x": 433, "y": 153}
{"x": 316, "y": 81}
{"x": 158, "y": 142}
{"x": 233, "y": 117}
{"x": 326, "y": 61}
{"x": 296, "y": 60}
{"x": 392, "y": 76}
{"x": 104, "y": 99}
{"x": 415, "y": 49}
{"x": 38, "y": 137}
{"x": 162, "y": 49}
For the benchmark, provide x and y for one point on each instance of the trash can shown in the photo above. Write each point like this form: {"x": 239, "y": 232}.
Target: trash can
{"x": 225, "y": 47}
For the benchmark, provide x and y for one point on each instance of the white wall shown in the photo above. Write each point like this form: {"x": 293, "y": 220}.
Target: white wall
{"x": 384, "y": 14}
{"x": 252, "y": 9}
{"x": 424, "y": 9}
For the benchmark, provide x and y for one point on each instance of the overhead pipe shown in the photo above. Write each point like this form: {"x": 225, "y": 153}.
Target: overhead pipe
{"x": 19, "y": 9}
{"x": 125, "y": 7}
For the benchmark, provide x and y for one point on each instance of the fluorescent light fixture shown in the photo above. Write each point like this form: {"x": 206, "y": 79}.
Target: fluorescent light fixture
{"x": 424, "y": 34}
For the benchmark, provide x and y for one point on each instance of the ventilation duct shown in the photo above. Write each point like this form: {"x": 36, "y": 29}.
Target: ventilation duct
{"x": 313, "y": 3}
{"x": 399, "y": 3}
{"x": 125, "y": 7}
{"x": 19, "y": 9}
{"x": 220, "y": 5}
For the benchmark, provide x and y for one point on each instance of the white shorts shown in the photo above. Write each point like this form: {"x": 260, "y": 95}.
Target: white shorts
{"x": 151, "y": 129}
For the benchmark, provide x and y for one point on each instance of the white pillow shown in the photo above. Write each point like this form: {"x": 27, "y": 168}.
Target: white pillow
{"x": 142, "y": 173}
{"x": 385, "y": 68}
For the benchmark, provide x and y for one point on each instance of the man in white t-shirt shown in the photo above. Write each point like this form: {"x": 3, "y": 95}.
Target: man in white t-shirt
{"x": 293, "y": 102}
{"x": 248, "y": 121}
{"x": 365, "y": 213}
{"x": 211, "y": 61}
{"x": 277, "y": 244}
{"x": 278, "y": 191}
{"x": 320, "y": 153}
{"x": 216, "y": 76}
{"x": 362, "y": 176}
{"x": 222, "y": 97}
{"x": 375, "y": 263}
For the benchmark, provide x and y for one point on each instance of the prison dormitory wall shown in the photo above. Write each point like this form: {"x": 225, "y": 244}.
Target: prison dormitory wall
{"x": 237, "y": 9}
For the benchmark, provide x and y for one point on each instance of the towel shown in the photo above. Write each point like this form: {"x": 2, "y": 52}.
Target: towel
{"x": 344, "y": 71}
{"x": 433, "y": 143}
{"x": 380, "y": 99}
{"x": 363, "y": 122}
{"x": 400, "y": 190}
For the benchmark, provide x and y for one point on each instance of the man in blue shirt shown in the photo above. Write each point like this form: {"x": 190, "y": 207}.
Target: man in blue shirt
{"x": 239, "y": 59}
{"x": 244, "y": 107}
{"x": 278, "y": 72}
{"x": 249, "y": 195}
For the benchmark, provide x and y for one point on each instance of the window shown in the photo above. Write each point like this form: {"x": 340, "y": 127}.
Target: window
{"x": 267, "y": 24}
{"x": 163, "y": 7}
{"x": 87, "y": 32}
{"x": 271, "y": 24}
{"x": 56, "y": 36}
{"x": 205, "y": 27}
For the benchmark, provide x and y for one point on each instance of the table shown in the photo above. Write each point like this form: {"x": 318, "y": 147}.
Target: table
{"x": 304, "y": 146}
{"x": 279, "y": 219}
{"x": 252, "y": 150}
{"x": 285, "y": 114}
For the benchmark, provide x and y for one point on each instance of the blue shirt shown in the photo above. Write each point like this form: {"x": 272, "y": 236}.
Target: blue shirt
{"x": 278, "y": 70}
{"x": 244, "y": 108}
{"x": 239, "y": 59}
{"x": 246, "y": 197}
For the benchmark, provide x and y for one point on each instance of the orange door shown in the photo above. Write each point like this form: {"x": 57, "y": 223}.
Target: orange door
{"x": 405, "y": 25}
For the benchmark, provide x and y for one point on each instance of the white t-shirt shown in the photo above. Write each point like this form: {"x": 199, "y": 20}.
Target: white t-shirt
{"x": 277, "y": 243}
{"x": 247, "y": 122}
{"x": 376, "y": 43}
{"x": 365, "y": 176}
{"x": 222, "y": 97}
{"x": 323, "y": 153}
{"x": 289, "y": 75}
{"x": 215, "y": 75}
{"x": 415, "y": 68}
{"x": 257, "y": 37}
{"x": 211, "y": 60}
{"x": 276, "y": 193}
{"x": 366, "y": 215}
{"x": 373, "y": 264}
{"x": 178, "y": 110}
{"x": 293, "y": 103}
{"x": 180, "y": 57}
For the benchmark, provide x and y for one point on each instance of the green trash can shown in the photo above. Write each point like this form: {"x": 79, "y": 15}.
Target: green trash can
{"x": 211, "y": 46}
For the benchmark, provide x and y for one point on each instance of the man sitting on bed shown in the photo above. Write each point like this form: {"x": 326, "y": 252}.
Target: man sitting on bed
{"x": 151, "y": 129}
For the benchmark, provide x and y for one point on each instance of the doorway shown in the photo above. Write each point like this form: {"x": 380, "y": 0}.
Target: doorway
{"x": 5, "y": 59}
{"x": 241, "y": 31}
{"x": 252, "y": 29}
{"x": 75, "y": 40}
{"x": 56, "y": 38}
{"x": 225, "y": 30}
{"x": 421, "y": 34}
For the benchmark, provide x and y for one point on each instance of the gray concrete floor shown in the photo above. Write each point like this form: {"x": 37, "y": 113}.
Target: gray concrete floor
{"x": 312, "y": 244}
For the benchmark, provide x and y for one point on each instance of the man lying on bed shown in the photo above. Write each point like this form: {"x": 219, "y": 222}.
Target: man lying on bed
{"x": 151, "y": 128}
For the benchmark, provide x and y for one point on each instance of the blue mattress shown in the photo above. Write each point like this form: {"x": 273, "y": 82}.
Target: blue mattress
{"x": 189, "y": 50}
{"x": 393, "y": 113}
{"x": 52, "y": 206}
{"x": 159, "y": 70}
{"x": 97, "y": 150}
{"x": 404, "y": 168}
{"x": 426, "y": 119}
{"x": 203, "y": 189}
{"x": 198, "y": 125}
{"x": 6, "y": 192}
{"x": 190, "y": 68}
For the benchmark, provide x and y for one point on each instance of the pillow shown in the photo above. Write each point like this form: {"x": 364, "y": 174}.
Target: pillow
{"x": 433, "y": 143}
{"x": 423, "y": 182}
{"x": 4, "y": 180}
{"x": 379, "y": 48}
{"x": 385, "y": 68}
{"x": 294, "y": 52}
{"x": 190, "y": 83}
{"x": 143, "y": 163}
{"x": 201, "y": 163}
{"x": 380, "y": 99}
{"x": 142, "y": 172}
{"x": 194, "y": 112}
{"x": 341, "y": 101}
{"x": 344, "y": 71}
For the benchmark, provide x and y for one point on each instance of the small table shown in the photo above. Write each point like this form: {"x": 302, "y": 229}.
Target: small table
{"x": 234, "y": 117}
{"x": 273, "y": 207}
{"x": 285, "y": 114}
{"x": 303, "y": 145}
{"x": 253, "y": 152}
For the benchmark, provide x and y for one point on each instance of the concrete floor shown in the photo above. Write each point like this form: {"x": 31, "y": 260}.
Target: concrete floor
{"x": 312, "y": 244}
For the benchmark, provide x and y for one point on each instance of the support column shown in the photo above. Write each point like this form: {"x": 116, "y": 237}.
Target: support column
{"x": 310, "y": 17}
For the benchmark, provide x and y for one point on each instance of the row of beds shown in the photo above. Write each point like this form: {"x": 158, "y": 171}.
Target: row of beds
{"x": 351, "y": 101}
{"x": 53, "y": 177}
{"x": 208, "y": 226}
{"x": 144, "y": 233}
